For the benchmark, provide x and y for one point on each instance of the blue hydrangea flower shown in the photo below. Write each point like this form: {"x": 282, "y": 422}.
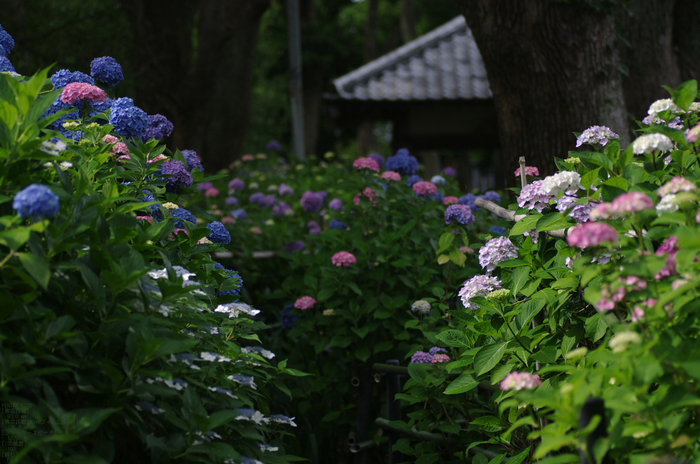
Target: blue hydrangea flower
{"x": 219, "y": 233}
{"x": 436, "y": 349}
{"x": 3, "y": 52}
{"x": 438, "y": 180}
{"x": 230, "y": 274}
{"x": 239, "y": 214}
{"x": 128, "y": 120}
{"x": 37, "y": 201}
{"x": 292, "y": 247}
{"x": 63, "y": 77}
{"x": 107, "y": 70}
{"x": 403, "y": 163}
{"x": 498, "y": 230}
{"x": 183, "y": 215}
{"x": 6, "y": 65}
{"x": 439, "y": 196}
{"x": 413, "y": 179}
{"x": 469, "y": 200}
{"x": 491, "y": 196}
{"x": 459, "y": 213}
{"x": 156, "y": 213}
{"x": 287, "y": 318}
{"x": 336, "y": 224}
{"x": 178, "y": 174}
{"x": 6, "y": 41}
{"x": 158, "y": 127}
{"x": 192, "y": 159}
{"x": 378, "y": 158}
{"x": 258, "y": 198}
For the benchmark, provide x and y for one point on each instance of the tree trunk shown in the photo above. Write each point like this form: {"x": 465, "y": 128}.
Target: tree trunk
{"x": 366, "y": 139}
{"x": 686, "y": 40}
{"x": 552, "y": 69}
{"x": 204, "y": 88}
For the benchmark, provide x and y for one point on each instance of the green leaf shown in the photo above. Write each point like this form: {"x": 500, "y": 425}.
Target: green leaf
{"x": 443, "y": 259}
{"x": 684, "y": 94}
{"x": 553, "y": 221}
{"x": 60, "y": 325}
{"x": 353, "y": 286}
{"x": 461, "y": 384}
{"x": 418, "y": 371}
{"x": 596, "y": 327}
{"x": 489, "y": 423}
{"x": 619, "y": 182}
{"x": 520, "y": 277}
{"x": 446, "y": 241}
{"x": 458, "y": 257}
{"x": 454, "y": 338}
{"x": 36, "y": 267}
{"x": 527, "y": 223}
{"x": 488, "y": 357}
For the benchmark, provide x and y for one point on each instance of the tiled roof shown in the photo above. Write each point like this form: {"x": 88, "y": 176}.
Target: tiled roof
{"x": 443, "y": 64}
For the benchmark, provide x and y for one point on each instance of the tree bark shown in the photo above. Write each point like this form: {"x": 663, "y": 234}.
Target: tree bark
{"x": 553, "y": 71}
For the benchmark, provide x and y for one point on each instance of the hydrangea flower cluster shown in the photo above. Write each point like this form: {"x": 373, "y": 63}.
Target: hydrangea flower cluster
{"x": 312, "y": 201}
{"x": 367, "y": 193}
{"x": 438, "y": 180}
{"x": 285, "y": 190}
{"x": 470, "y": 200}
{"x": 629, "y": 203}
{"x": 450, "y": 200}
{"x": 378, "y": 158}
{"x": 37, "y": 201}
{"x": 219, "y": 233}
{"x": 64, "y": 77}
{"x": 403, "y": 163}
{"x": 230, "y": 274}
{"x": 460, "y": 213}
{"x": 596, "y": 135}
{"x": 291, "y": 247}
{"x": 273, "y": 145}
{"x": 676, "y": 185}
{"x": 670, "y": 248}
{"x": 449, "y": 171}
{"x": 158, "y": 128}
{"x": 78, "y": 91}
{"x": 7, "y": 43}
{"x": 440, "y": 359}
{"x": 665, "y": 104}
{"x": 413, "y": 180}
{"x": 288, "y": 319}
{"x": 343, "y": 258}
{"x": 390, "y": 175}
{"x": 581, "y": 213}
{"x": 495, "y": 251}
{"x": 128, "y": 120}
{"x": 178, "y": 174}
{"x": 183, "y": 215}
{"x": 305, "y": 302}
{"x": 591, "y": 234}
{"x": 421, "y": 306}
{"x": 366, "y": 163}
{"x": 650, "y": 143}
{"x": 421, "y": 357}
{"x": 622, "y": 340}
{"x": 520, "y": 381}
{"x": 560, "y": 182}
{"x": 531, "y": 171}
{"x": 236, "y": 184}
{"x": 480, "y": 285}
{"x": 106, "y": 69}
{"x": 425, "y": 188}
{"x": 336, "y": 204}
{"x": 336, "y": 224}
{"x": 532, "y": 196}
{"x": 692, "y": 135}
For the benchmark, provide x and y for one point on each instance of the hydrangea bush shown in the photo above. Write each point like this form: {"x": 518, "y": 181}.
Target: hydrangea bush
{"x": 122, "y": 340}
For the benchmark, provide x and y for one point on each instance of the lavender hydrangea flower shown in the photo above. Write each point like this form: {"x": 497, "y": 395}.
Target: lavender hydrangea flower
{"x": 285, "y": 189}
{"x": 336, "y": 204}
{"x": 403, "y": 163}
{"x": 128, "y": 120}
{"x": 37, "y": 201}
{"x": 480, "y": 285}
{"x": 378, "y": 158}
{"x": 460, "y": 213}
{"x": 495, "y": 251}
{"x": 106, "y": 69}
{"x": 219, "y": 233}
{"x": 491, "y": 196}
{"x": 239, "y": 214}
{"x": 469, "y": 199}
{"x": 421, "y": 357}
{"x": 273, "y": 145}
{"x": 596, "y": 135}
{"x": 312, "y": 201}
{"x": 231, "y": 201}
{"x": 281, "y": 209}
{"x": 258, "y": 198}
{"x": 580, "y": 212}
{"x": 178, "y": 174}
{"x": 436, "y": 349}
{"x": 449, "y": 171}
{"x": 158, "y": 128}
{"x": 533, "y": 197}
{"x": 292, "y": 247}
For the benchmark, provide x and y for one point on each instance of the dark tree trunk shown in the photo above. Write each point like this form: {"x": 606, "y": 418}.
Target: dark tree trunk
{"x": 314, "y": 77}
{"x": 553, "y": 71}
{"x": 203, "y": 88}
{"x": 686, "y": 39}
{"x": 647, "y": 52}
{"x": 366, "y": 140}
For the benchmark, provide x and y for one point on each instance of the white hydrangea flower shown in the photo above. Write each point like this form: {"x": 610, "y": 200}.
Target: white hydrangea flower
{"x": 663, "y": 105}
{"x": 253, "y": 416}
{"x": 561, "y": 182}
{"x": 213, "y": 357}
{"x": 258, "y": 350}
{"x": 163, "y": 273}
{"x": 622, "y": 340}
{"x": 667, "y": 205}
{"x": 235, "y": 309}
{"x": 266, "y": 447}
{"x": 652, "y": 142}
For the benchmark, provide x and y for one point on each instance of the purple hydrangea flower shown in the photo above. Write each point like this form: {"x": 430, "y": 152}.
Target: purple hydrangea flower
{"x": 183, "y": 215}
{"x": 292, "y": 247}
{"x": 312, "y": 201}
{"x": 281, "y": 209}
{"x": 179, "y": 175}
{"x": 495, "y": 251}
{"x": 596, "y": 135}
{"x": 236, "y": 184}
{"x": 469, "y": 200}
{"x": 378, "y": 158}
{"x": 36, "y": 200}
{"x": 219, "y": 233}
{"x": 285, "y": 189}
{"x": 64, "y": 77}
{"x": 336, "y": 224}
{"x": 273, "y": 145}
{"x": 460, "y": 213}
{"x": 421, "y": 357}
{"x": 491, "y": 196}
{"x": 239, "y": 214}
{"x": 128, "y": 120}
{"x": 258, "y": 198}
{"x": 158, "y": 127}
{"x": 580, "y": 213}
{"x": 480, "y": 285}
{"x": 413, "y": 179}
{"x": 269, "y": 200}
{"x": 231, "y": 201}
{"x": 532, "y": 197}
{"x": 107, "y": 70}
{"x": 403, "y": 163}
{"x": 436, "y": 349}
{"x": 336, "y": 204}
{"x": 449, "y": 171}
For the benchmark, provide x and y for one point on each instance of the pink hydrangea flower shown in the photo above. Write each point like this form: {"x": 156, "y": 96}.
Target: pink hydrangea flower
{"x": 675, "y": 185}
{"x": 228, "y": 220}
{"x": 109, "y": 139}
{"x": 256, "y": 230}
{"x": 670, "y": 247}
{"x": 366, "y": 163}
{"x": 520, "y": 381}
{"x": 631, "y": 202}
{"x": 247, "y": 158}
{"x": 120, "y": 147}
{"x": 638, "y": 314}
{"x": 390, "y": 175}
{"x": 591, "y": 234}
{"x": 531, "y": 171}
{"x": 305, "y": 302}
{"x": 160, "y": 157}
{"x": 80, "y": 91}
{"x": 450, "y": 201}
{"x": 440, "y": 358}
{"x": 367, "y": 192}
{"x": 425, "y": 188}
{"x": 343, "y": 258}
{"x": 146, "y": 218}
{"x": 124, "y": 158}
{"x": 602, "y": 211}
{"x": 211, "y": 192}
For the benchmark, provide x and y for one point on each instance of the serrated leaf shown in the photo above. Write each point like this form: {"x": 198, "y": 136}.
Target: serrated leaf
{"x": 461, "y": 384}
{"x": 527, "y": 223}
{"x": 488, "y": 357}
{"x": 454, "y": 338}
